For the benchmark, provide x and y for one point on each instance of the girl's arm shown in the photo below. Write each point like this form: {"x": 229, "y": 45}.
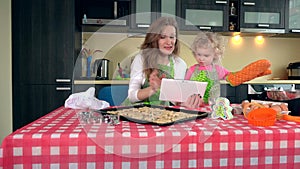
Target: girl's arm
{"x": 249, "y": 72}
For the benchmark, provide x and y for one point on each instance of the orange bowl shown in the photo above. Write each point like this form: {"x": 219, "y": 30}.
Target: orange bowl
{"x": 262, "y": 117}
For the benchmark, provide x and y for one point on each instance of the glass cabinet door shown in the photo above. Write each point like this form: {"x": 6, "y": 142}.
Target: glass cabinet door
{"x": 147, "y": 11}
{"x": 294, "y": 16}
{"x": 167, "y": 7}
{"x": 262, "y": 15}
{"x": 141, "y": 13}
{"x": 205, "y": 15}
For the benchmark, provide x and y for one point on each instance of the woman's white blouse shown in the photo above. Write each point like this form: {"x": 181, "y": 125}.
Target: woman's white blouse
{"x": 137, "y": 77}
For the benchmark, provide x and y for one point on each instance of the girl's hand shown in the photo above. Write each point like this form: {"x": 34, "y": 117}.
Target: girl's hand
{"x": 155, "y": 80}
{"x": 194, "y": 101}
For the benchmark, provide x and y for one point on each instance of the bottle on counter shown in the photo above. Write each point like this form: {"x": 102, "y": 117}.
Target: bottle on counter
{"x": 232, "y": 9}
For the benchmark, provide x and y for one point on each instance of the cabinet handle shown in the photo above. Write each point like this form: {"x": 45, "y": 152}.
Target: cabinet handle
{"x": 221, "y": 2}
{"x": 115, "y": 9}
{"x": 63, "y": 88}
{"x": 205, "y": 27}
{"x": 263, "y": 25}
{"x": 63, "y": 80}
{"x": 143, "y": 26}
{"x": 249, "y": 3}
{"x": 295, "y": 30}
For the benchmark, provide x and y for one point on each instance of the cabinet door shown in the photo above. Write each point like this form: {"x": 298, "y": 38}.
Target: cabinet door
{"x": 235, "y": 94}
{"x": 294, "y": 16}
{"x": 263, "y": 15}
{"x": 142, "y": 15}
{"x": 34, "y": 101}
{"x": 43, "y": 41}
{"x": 44, "y": 47}
{"x": 204, "y": 15}
{"x": 167, "y": 8}
{"x": 147, "y": 11}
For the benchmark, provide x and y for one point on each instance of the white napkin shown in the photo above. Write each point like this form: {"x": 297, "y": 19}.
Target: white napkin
{"x": 85, "y": 100}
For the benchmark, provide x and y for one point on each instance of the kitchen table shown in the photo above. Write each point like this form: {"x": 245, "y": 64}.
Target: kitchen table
{"x": 59, "y": 140}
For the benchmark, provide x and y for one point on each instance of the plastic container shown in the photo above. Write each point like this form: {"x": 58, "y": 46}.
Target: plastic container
{"x": 262, "y": 117}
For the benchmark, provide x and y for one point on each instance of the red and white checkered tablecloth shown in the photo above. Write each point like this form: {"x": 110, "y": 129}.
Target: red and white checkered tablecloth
{"x": 59, "y": 141}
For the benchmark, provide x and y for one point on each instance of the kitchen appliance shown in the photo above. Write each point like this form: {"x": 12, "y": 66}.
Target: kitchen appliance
{"x": 294, "y": 71}
{"x": 101, "y": 67}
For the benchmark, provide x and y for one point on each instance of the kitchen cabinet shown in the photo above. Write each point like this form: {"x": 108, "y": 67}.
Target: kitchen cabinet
{"x": 45, "y": 45}
{"x": 234, "y": 17}
{"x": 205, "y": 15}
{"x": 265, "y": 16}
{"x": 294, "y": 16}
{"x": 94, "y": 14}
{"x": 235, "y": 94}
{"x": 144, "y": 12}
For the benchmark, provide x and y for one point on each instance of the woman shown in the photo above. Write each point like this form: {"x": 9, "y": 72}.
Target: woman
{"x": 158, "y": 59}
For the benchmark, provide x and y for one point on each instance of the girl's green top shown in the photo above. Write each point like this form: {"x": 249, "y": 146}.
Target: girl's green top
{"x": 154, "y": 99}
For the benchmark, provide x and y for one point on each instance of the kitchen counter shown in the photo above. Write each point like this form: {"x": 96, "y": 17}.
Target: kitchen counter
{"x": 258, "y": 81}
{"x": 117, "y": 82}
{"x": 101, "y": 82}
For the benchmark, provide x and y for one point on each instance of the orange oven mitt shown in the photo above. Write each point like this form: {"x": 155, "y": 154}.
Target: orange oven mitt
{"x": 249, "y": 72}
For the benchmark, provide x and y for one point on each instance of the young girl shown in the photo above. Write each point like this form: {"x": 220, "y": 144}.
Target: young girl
{"x": 158, "y": 59}
{"x": 208, "y": 48}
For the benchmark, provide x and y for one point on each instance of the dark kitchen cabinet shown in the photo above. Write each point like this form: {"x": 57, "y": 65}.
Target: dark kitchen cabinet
{"x": 294, "y": 16}
{"x": 234, "y": 17}
{"x": 45, "y": 45}
{"x": 265, "y": 16}
{"x": 235, "y": 94}
{"x": 144, "y": 12}
{"x": 93, "y": 15}
{"x": 209, "y": 15}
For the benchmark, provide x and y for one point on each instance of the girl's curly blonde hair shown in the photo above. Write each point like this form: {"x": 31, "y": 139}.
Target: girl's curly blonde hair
{"x": 209, "y": 40}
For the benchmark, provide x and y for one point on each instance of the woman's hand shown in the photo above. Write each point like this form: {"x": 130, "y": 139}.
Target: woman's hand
{"x": 155, "y": 80}
{"x": 194, "y": 101}
{"x": 154, "y": 85}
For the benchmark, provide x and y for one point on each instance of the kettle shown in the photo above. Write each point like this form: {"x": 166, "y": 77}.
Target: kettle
{"x": 101, "y": 69}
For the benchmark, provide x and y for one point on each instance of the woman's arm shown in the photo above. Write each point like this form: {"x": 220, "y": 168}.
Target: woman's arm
{"x": 137, "y": 79}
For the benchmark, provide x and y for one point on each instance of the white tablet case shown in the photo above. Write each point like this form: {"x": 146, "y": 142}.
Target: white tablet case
{"x": 179, "y": 90}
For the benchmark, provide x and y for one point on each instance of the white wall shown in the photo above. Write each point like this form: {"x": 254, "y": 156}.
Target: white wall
{"x": 5, "y": 70}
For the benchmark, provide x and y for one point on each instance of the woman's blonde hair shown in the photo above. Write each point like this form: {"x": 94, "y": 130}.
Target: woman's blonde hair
{"x": 209, "y": 40}
{"x": 150, "y": 47}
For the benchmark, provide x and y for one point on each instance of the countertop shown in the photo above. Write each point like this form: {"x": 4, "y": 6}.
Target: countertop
{"x": 118, "y": 82}
{"x": 101, "y": 82}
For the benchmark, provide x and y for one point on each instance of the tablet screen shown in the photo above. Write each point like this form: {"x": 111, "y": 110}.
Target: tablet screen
{"x": 179, "y": 90}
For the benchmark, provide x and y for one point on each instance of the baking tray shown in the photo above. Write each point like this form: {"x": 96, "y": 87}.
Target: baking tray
{"x": 193, "y": 113}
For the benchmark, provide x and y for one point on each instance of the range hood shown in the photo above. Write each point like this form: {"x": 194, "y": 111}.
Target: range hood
{"x": 261, "y": 30}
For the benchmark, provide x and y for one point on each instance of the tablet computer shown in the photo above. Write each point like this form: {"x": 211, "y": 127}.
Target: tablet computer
{"x": 179, "y": 90}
